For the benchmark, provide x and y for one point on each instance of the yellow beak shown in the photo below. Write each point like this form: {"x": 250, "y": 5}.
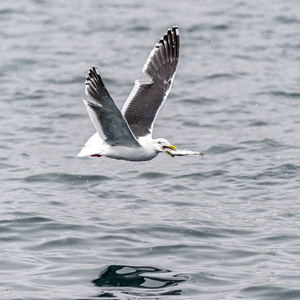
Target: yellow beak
{"x": 170, "y": 147}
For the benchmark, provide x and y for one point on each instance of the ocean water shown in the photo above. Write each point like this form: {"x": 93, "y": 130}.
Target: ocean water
{"x": 226, "y": 226}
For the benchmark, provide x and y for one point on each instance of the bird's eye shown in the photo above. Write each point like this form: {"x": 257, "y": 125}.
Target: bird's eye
{"x": 159, "y": 142}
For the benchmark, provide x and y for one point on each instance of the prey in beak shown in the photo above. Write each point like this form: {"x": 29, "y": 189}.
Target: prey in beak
{"x": 164, "y": 148}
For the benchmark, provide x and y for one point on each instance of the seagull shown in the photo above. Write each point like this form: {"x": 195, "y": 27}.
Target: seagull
{"x": 127, "y": 134}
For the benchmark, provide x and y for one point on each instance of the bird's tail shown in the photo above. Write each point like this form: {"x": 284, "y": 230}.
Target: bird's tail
{"x": 94, "y": 145}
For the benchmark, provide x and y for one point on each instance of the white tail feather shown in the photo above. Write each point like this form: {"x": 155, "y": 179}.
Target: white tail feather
{"x": 94, "y": 145}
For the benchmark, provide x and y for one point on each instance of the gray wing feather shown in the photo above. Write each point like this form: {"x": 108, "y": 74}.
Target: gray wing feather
{"x": 105, "y": 115}
{"x": 147, "y": 97}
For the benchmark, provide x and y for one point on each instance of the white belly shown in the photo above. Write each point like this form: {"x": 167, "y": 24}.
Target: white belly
{"x": 132, "y": 154}
{"x": 95, "y": 145}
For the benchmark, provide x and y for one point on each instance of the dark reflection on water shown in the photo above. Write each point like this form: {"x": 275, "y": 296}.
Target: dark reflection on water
{"x": 138, "y": 281}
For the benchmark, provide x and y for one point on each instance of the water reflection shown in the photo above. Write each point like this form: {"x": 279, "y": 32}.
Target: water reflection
{"x": 137, "y": 281}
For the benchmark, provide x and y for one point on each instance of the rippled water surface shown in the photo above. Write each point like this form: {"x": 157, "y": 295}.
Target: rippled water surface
{"x": 226, "y": 226}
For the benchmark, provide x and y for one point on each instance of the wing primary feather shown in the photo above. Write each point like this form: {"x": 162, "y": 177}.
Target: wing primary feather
{"x": 105, "y": 115}
{"x": 145, "y": 100}
{"x": 94, "y": 85}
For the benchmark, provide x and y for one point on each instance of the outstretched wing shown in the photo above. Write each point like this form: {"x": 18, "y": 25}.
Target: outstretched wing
{"x": 105, "y": 115}
{"x": 147, "y": 97}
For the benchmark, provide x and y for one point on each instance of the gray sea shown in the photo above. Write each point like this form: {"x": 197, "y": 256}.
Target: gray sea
{"x": 225, "y": 226}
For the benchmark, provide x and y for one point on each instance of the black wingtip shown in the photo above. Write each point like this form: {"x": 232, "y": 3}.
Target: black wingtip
{"x": 93, "y": 73}
{"x": 94, "y": 85}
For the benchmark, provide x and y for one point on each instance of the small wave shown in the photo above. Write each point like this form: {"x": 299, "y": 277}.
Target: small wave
{"x": 138, "y": 28}
{"x": 258, "y": 124}
{"x": 63, "y": 178}
{"x": 5, "y": 11}
{"x": 223, "y": 149}
{"x": 274, "y": 175}
{"x": 221, "y": 27}
{"x": 268, "y": 291}
{"x": 282, "y": 94}
{"x": 208, "y": 27}
{"x": 283, "y": 171}
{"x": 150, "y": 175}
{"x": 199, "y": 101}
{"x": 6, "y": 166}
{"x": 203, "y": 175}
{"x": 287, "y": 20}
{"x": 70, "y": 116}
{"x": 220, "y": 75}
{"x": 265, "y": 144}
{"x": 191, "y": 124}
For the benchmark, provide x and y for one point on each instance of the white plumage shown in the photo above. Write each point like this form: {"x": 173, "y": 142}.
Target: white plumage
{"x": 127, "y": 134}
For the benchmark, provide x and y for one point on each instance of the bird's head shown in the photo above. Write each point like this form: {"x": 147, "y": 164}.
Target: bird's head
{"x": 162, "y": 145}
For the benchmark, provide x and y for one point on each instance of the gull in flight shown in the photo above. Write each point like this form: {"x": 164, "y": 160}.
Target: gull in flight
{"x": 127, "y": 134}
